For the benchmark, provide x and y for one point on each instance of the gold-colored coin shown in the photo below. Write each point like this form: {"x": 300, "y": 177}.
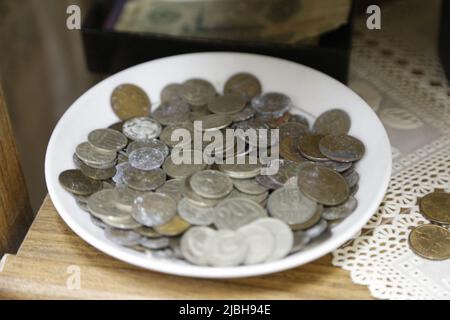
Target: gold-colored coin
{"x": 289, "y": 151}
{"x": 77, "y": 183}
{"x": 174, "y": 227}
{"x": 129, "y": 101}
{"x": 435, "y": 206}
{"x": 430, "y": 242}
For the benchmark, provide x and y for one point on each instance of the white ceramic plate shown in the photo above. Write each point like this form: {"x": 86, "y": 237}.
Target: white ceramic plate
{"x": 309, "y": 89}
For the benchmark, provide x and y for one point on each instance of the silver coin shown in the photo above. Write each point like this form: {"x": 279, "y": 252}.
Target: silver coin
{"x": 245, "y": 114}
{"x": 211, "y": 184}
{"x": 171, "y": 92}
{"x": 272, "y": 103}
{"x": 122, "y": 237}
{"x": 258, "y": 198}
{"x": 260, "y": 242}
{"x": 146, "y": 158}
{"x": 95, "y": 157}
{"x": 227, "y": 104}
{"x": 186, "y": 139}
{"x": 102, "y": 205}
{"x": 76, "y": 161}
{"x": 153, "y": 143}
{"x": 336, "y": 166}
{"x": 141, "y": 180}
{"x": 317, "y": 230}
{"x": 182, "y": 170}
{"x": 163, "y": 253}
{"x": 284, "y": 238}
{"x": 187, "y": 192}
{"x": 175, "y": 111}
{"x": 195, "y": 214}
{"x": 244, "y": 84}
{"x": 123, "y": 197}
{"x": 343, "y": 148}
{"x": 212, "y": 122}
{"x": 301, "y": 240}
{"x": 141, "y": 128}
{"x": 236, "y": 212}
{"x": 332, "y": 122}
{"x": 83, "y": 206}
{"x": 241, "y": 168}
{"x": 291, "y": 206}
{"x": 193, "y": 244}
{"x": 97, "y": 174}
{"x": 226, "y": 248}
{"x": 154, "y": 243}
{"x": 249, "y": 186}
{"x": 342, "y": 211}
{"x": 107, "y": 140}
{"x": 352, "y": 179}
{"x": 172, "y": 188}
{"x": 98, "y": 222}
{"x": 120, "y": 169}
{"x": 197, "y": 92}
{"x": 128, "y": 224}
{"x": 154, "y": 209}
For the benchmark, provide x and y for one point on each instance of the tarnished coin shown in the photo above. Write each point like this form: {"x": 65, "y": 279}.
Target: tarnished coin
{"x": 153, "y": 143}
{"x": 129, "y": 101}
{"x": 226, "y": 248}
{"x": 197, "y": 92}
{"x": 94, "y": 157}
{"x": 308, "y": 146}
{"x": 143, "y": 180}
{"x": 171, "y": 92}
{"x": 272, "y": 103}
{"x": 102, "y": 205}
{"x": 154, "y": 243}
{"x": 196, "y": 115}
{"x": 341, "y": 211}
{"x": 195, "y": 214}
{"x": 352, "y": 179}
{"x": 276, "y": 121}
{"x": 282, "y": 171}
{"x": 322, "y": 184}
{"x": 343, "y": 148}
{"x": 154, "y": 209}
{"x": 260, "y": 242}
{"x": 172, "y": 188}
{"x": 292, "y": 129}
{"x": 193, "y": 244}
{"x": 175, "y": 111}
{"x": 291, "y": 206}
{"x": 300, "y": 119}
{"x": 187, "y": 192}
{"x": 146, "y": 158}
{"x": 116, "y": 126}
{"x": 236, "y": 212}
{"x": 184, "y": 138}
{"x": 249, "y": 186}
{"x": 284, "y": 238}
{"x": 435, "y": 207}
{"x": 211, "y": 184}
{"x": 258, "y": 198}
{"x": 227, "y": 104}
{"x": 174, "y": 227}
{"x": 288, "y": 150}
{"x": 182, "y": 170}
{"x": 334, "y": 122}
{"x": 107, "y": 140}
{"x": 97, "y": 174}
{"x": 241, "y": 168}
{"x": 77, "y": 183}
{"x": 317, "y": 230}
{"x": 311, "y": 222}
{"x": 244, "y": 84}
{"x": 336, "y": 166}
{"x": 430, "y": 242}
{"x": 122, "y": 237}
{"x": 141, "y": 128}
{"x": 212, "y": 122}
{"x": 245, "y": 114}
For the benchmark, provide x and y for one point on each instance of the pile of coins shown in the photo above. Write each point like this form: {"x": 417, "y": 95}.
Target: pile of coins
{"x": 432, "y": 241}
{"x": 219, "y": 214}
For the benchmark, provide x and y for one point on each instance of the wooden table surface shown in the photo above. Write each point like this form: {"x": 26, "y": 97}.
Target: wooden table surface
{"x": 47, "y": 258}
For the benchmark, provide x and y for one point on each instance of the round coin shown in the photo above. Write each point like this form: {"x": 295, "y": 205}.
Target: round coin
{"x": 153, "y": 143}
{"x": 195, "y": 214}
{"x": 197, "y": 92}
{"x": 430, "y": 242}
{"x": 341, "y": 211}
{"x": 185, "y": 130}
{"x": 334, "y": 122}
{"x": 77, "y": 183}
{"x": 284, "y": 238}
{"x": 241, "y": 168}
{"x": 141, "y": 128}
{"x": 172, "y": 188}
{"x": 94, "y": 157}
{"x": 322, "y": 184}
{"x": 236, "y": 212}
{"x": 97, "y": 174}
{"x": 103, "y": 205}
{"x": 317, "y": 230}
{"x": 212, "y": 122}
{"x": 141, "y": 180}
{"x": 249, "y": 186}
{"x": 292, "y": 129}
{"x": 288, "y": 150}
{"x": 225, "y": 248}
{"x": 174, "y": 227}
{"x": 260, "y": 242}
{"x": 171, "y": 92}
{"x": 154, "y": 243}
{"x": 175, "y": 111}
{"x": 311, "y": 222}
{"x": 342, "y": 148}
{"x": 244, "y": 84}
{"x": 122, "y": 237}
{"x": 146, "y": 158}
{"x": 245, "y": 114}
{"x": 129, "y": 101}
{"x": 193, "y": 244}
{"x": 176, "y": 167}
{"x": 308, "y": 146}
{"x": 435, "y": 207}
{"x": 187, "y": 192}
{"x": 154, "y": 209}
{"x": 211, "y": 184}
{"x": 227, "y": 104}
{"x": 107, "y": 140}
{"x": 271, "y": 103}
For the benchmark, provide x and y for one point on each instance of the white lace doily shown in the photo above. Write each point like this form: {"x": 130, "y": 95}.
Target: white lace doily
{"x": 397, "y": 70}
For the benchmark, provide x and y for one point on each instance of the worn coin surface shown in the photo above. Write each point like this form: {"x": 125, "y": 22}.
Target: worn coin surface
{"x": 435, "y": 207}
{"x": 241, "y": 168}
{"x": 195, "y": 214}
{"x": 197, "y": 92}
{"x": 211, "y": 184}
{"x": 213, "y": 122}
{"x": 175, "y": 111}
{"x": 430, "y": 242}
{"x": 147, "y": 232}
{"x": 292, "y": 129}
{"x": 154, "y": 209}
{"x": 107, "y": 140}
{"x": 193, "y": 244}
{"x": 250, "y": 186}
{"x": 171, "y": 92}
{"x": 260, "y": 242}
{"x": 102, "y": 205}
{"x": 143, "y": 180}
{"x": 226, "y": 248}
{"x": 227, "y": 104}
{"x": 187, "y": 168}
{"x": 322, "y": 184}
{"x": 187, "y": 192}
{"x": 317, "y": 230}
{"x": 97, "y": 174}
{"x": 301, "y": 240}
{"x": 172, "y": 188}
{"x": 126, "y": 224}
{"x": 122, "y": 237}
{"x": 333, "y": 122}
{"x": 336, "y": 166}
{"x": 185, "y": 130}
{"x": 152, "y": 143}
{"x": 258, "y": 198}
{"x": 300, "y": 119}
{"x": 288, "y": 150}
{"x": 141, "y": 128}
{"x": 315, "y": 218}
{"x": 341, "y": 211}
{"x": 94, "y": 157}
{"x": 343, "y": 148}
{"x": 244, "y": 84}
{"x": 245, "y": 114}
{"x": 77, "y": 183}
{"x": 236, "y": 212}
{"x": 174, "y": 227}
{"x": 129, "y": 101}
{"x": 146, "y": 158}
{"x": 308, "y": 145}
{"x": 271, "y": 103}
{"x": 154, "y": 243}
{"x": 284, "y": 238}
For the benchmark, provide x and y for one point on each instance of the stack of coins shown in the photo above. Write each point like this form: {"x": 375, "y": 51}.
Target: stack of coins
{"x": 432, "y": 241}
{"x": 215, "y": 214}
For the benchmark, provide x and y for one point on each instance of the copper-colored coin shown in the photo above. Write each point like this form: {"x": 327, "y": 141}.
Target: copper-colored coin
{"x": 288, "y": 150}
{"x": 227, "y": 104}
{"x": 343, "y": 148}
{"x": 129, "y": 101}
{"x": 77, "y": 183}
{"x": 308, "y": 146}
{"x": 292, "y": 129}
{"x": 171, "y": 92}
{"x": 244, "y": 84}
{"x": 174, "y": 227}
{"x": 435, "y": 206}
{"x": 275, "y": 122}
{"x": 334, "y": 121}
{"x": 430, "y": 242}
